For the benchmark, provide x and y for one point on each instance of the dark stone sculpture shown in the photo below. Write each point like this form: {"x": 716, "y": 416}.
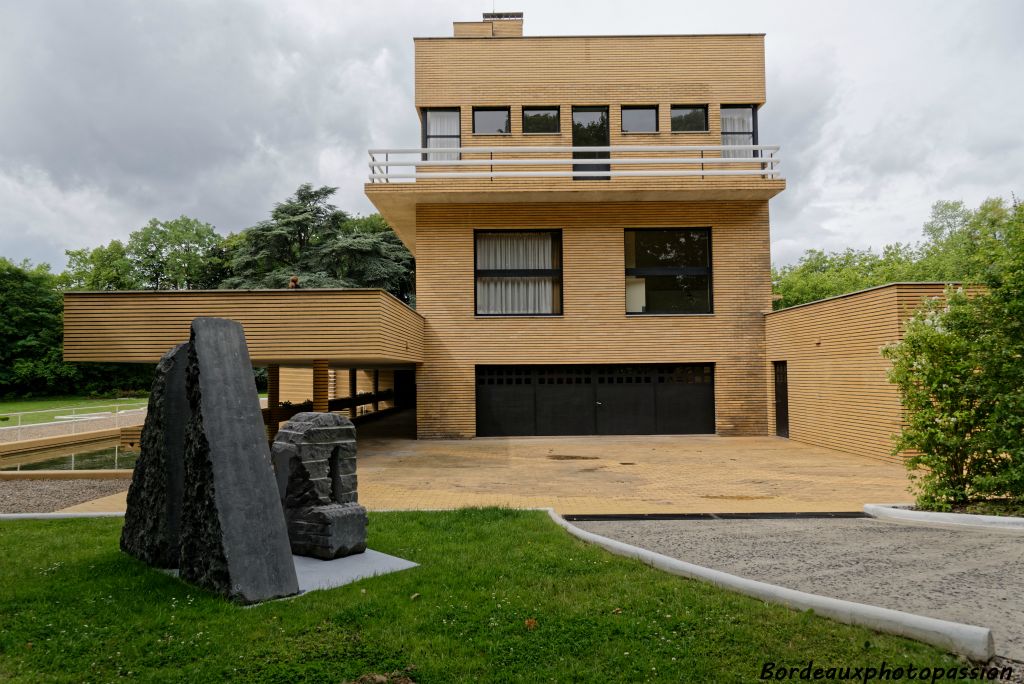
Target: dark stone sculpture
{"x": 153, "y": 514}
{"x": 233, "y": 535}
{"x": 315, "y": 458}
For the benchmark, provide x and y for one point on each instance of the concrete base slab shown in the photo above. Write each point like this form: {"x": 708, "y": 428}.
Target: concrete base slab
{"x": 316, "y": 574}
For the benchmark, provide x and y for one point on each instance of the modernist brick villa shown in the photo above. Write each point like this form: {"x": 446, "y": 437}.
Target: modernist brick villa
{"x": 590, "y": 221}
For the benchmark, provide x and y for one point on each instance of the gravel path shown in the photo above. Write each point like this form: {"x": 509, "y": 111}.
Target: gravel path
{"x": 973, "y": 577}
{"x": 47, "y": 496}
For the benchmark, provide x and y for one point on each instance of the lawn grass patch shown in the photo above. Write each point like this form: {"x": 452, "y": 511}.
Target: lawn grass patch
{"x": 499, "y": 595}
{"x": 47, "y": 410}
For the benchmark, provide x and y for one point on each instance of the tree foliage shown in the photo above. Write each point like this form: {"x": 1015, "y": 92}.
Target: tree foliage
{"x": 959, "y": 246}
{"x": 960, "y": 370}
{"x": 181, "y": 254}
{"x": 310, "y": 238}
{"x": 31, "y": 341}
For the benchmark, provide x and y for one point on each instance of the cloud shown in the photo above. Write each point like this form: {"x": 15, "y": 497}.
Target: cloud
{"x": 116, "y": 111}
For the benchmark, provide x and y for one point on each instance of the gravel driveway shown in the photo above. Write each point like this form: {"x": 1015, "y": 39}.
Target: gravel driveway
{"x": 974, "y": 577}
{"x": 47, "y": 496}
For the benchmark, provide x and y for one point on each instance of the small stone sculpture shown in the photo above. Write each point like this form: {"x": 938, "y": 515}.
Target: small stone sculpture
{"x": 233, "y": 535}
{"x": 153, "y": 515}
{"x": 314, "y": 455}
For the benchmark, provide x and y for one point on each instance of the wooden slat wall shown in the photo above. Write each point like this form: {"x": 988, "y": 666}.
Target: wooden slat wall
{"x": 594, "y": 327}
{"x": 365, "y": 326}
{"x": 839, "y": 393}
{"x": 591, "y": 70}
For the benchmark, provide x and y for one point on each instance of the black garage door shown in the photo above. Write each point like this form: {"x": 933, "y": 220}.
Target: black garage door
{"x": 595, "y": 400}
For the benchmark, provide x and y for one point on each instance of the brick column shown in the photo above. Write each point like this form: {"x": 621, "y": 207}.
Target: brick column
{"x": 273, "y": 399}
{"x": 376, "y": 389}
{"x": 320, "y": 383}
{"x": 352, "y": 392}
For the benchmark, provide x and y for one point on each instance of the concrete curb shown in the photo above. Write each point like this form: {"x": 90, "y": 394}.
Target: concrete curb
{"x": 974, "y": 642}
{"x": 899, "y": 513}
{"x": 56, "y": 516}
{"x": 105, "y": 474}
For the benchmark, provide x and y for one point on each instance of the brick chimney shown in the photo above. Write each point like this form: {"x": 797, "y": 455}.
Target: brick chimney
{"x": 494, "y": 25}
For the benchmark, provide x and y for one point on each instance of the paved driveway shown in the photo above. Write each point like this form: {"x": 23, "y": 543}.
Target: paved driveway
{"x": 974, "y": 577}
{"x": 635, "y": 474}
{"x": 646, "y": 474}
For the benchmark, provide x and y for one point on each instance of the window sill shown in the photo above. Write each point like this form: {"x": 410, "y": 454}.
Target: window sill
{"x": 492, "y": 134}
{"x": 491, "y": 316}
{"x": 637, "y": 314}
{"x": 639, "y": 132}
{"x": 554, "y": 134}
{"x": 689, "y": 132}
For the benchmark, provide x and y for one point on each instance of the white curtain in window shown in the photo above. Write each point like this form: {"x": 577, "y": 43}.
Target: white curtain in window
{"x": 442, "y": 123}
{"x": 521, "y": 294}
{"x": 513, "y": 250}
{"x": 524, "y": 295}
{"x": 739, "y": 121}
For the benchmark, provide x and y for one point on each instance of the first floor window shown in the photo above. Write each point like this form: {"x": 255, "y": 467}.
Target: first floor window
{"x": 540, "y": 120}
{"x": 637, "y": 119}
{"x": 668, "y": 271}
{"x": 441, "y": 129}
{"x": 689, "y": 118}
{"x": 518, "y": 272}
{"x": 491, "y": 121}
{"x": 739, "y": 127}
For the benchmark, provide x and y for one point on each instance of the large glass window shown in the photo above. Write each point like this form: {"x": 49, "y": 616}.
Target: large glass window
{"x": 541, "y": 120}
{"x": 668, "y": 271}
{"x": 440, "y": 130}
{"x": 689, "y": 118}
{"x": 518, "y": 273}
{"x": 590, "y": 129}
{"x": 640, "y": 119}
{"x": 739, "y": 127}
{"x": 491, "y": 121}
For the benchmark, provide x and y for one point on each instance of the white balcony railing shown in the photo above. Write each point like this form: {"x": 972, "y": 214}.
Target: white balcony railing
{"x": 558, "y": 162}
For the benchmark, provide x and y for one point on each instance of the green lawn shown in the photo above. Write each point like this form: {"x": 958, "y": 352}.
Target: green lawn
{"x": 73, "y": 608}
{"x": 51, "y": 407}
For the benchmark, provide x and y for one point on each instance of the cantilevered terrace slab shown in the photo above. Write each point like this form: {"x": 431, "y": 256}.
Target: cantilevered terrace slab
{"x": 349, "y": 327}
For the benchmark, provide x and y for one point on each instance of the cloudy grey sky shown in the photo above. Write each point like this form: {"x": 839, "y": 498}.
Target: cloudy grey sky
{"x": 112, "y": 112}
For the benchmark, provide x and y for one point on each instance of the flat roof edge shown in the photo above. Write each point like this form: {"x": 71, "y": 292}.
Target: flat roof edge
{"x": 602, "y": 35}
{"x": 859, "y": 292}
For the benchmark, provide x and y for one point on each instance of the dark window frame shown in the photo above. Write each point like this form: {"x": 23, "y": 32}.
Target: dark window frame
{"x": 657, "y": 122}
{"x": 508, "y": 112}
{"x": 753, "y": 119}
{"x": 556, "y": 234}
{"x": 707, "y": 118}
{"x": 423, "y": 129}
{"x": 577, "y": 166}
{"x": 671, "y": 270}
{"x": 558, "y": 119}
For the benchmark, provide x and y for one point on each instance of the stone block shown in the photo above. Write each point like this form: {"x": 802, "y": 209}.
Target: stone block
{"x": 234, "y": 539}
{"x": 314, "y": 456}
{"x": 153, "y": 514}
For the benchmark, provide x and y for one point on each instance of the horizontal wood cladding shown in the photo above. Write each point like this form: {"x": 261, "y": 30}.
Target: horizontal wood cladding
{"x": 364, "y": 327}
{"x": 593, "y": 70}
{"x": 839, "y": 393}
{"x": 594, "y": 327}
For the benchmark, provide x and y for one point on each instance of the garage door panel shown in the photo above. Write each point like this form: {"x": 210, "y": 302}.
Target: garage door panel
{"x": 565, "y": 410}
{"x": 595, "y": 399}
{"x": 625, "y": 400}
{"x": 685, "y": 399}
{"x": 504, "y": 402}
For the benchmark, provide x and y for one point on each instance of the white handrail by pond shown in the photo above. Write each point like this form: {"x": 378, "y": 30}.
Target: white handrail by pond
{"x": 760, "y": 160}
{"x": 71, "y": 415}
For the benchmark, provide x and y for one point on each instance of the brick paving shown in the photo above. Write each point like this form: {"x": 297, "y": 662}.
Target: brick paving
{"x": 612, "y": 474}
